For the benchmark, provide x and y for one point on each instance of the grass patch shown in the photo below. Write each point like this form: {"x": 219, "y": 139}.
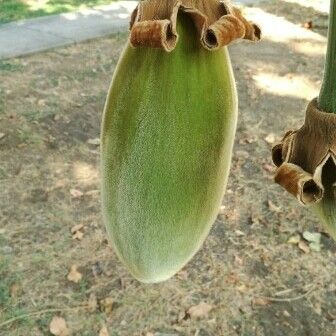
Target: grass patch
{"x": 2, "y": 108}
{"x": 10, "y": 306}
{"x": 38, "y": 115}
{"x": 12, "y": 10}
{"x": 7, "y": 279}
{"x": 10, "y": 65}
{"x": 28, "y": 136}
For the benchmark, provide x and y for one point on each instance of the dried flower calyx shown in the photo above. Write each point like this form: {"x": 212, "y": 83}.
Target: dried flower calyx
{"x": 153, "y": 23}
{"x": 302, "y": 154}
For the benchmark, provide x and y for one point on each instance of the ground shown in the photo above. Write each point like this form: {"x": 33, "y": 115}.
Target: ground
{"x": 11, "y": 10}
{"x": 252, "y": 270}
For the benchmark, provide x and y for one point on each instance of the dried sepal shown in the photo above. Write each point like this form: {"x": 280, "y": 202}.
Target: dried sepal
{"x": 153, "y": 23}
{"x": 302, "y": 155}
{"x": 299, "y": 183}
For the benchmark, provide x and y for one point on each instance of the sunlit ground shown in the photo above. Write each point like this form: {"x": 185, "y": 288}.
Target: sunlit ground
{"x": 290, "y": 85}
{"x": 279, "y": 30}
{"x": 320, "y": 5}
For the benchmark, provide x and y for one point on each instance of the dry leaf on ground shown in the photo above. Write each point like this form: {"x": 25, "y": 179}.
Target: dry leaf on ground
{"x": 270, "y": 138}
{"x": 269, "y": 168}
{"x": 74, "y": 275}
{"x": 94, "y": 192}
{"x": 222, "y": 210}
{"x": 15, "y": 290}
{"x": 242, "y": 288}
{"x": 312, "y": 237}
{"x": 103, "y": 331}
{"x": 247, "y": 140}
{"x": 106, "y": 305}
{"x": 200, "y": 310}
{"x": 239, "y": 233}
{"x": 182, "y": 275}
{"x": 315, "y": 247}
{"x": 77, "y": 228}
{"x": 76, "y": 232}
{"x": 308, "y": 25}
{"x": 286, "y": 314}
{"x": 304, "y": 247}
{"x": 58, "y": 326}
{"x": 75, "y": 193}
{"x": 294, "y": 239}
{"x": 95, "y": 142}
{"x": 78, "y": 235}
{"x": 238, "y": 260}
{"x": 261, "y": 302}
{"x": 92, "y": 303}
{"x": 273, "y": 207}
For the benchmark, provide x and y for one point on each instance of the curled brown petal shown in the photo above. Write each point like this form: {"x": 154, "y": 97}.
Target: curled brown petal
{"x": 282, "y": 151}
{"x": 277, "y": 157}
{"x": 227, "y": 29}
{"x": 309, "y": 146}
{"x": 299, "y": 183}
{"x": 252, "y": 31}
{"x": 315, "y": 140}
{"x": 153, "y": 23}
{"x": 155, "y": 34}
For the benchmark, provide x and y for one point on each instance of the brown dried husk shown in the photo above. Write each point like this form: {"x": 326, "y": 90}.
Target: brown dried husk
{"x": 302, "y": 155}
{"x": 218, "y": 23}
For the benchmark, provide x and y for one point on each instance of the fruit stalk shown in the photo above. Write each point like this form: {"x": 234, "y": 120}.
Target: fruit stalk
{"x": 326, "y": 209}
{"x": 306, "y": 158}
{"x": 327, "y": 98}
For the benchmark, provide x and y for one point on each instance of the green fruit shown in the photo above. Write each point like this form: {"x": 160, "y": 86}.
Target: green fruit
{"x": 167, "y": 138}
{"x": 306, "y": 158}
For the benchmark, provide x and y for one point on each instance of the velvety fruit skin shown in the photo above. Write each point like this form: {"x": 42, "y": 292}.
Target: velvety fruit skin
{"x": 167, "y": 138}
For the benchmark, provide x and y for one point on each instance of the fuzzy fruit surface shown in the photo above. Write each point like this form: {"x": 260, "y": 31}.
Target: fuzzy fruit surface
{"x": 167, "y": 137}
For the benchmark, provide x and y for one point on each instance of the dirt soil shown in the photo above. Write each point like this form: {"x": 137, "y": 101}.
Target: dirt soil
{"x": 255, "y": 271}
